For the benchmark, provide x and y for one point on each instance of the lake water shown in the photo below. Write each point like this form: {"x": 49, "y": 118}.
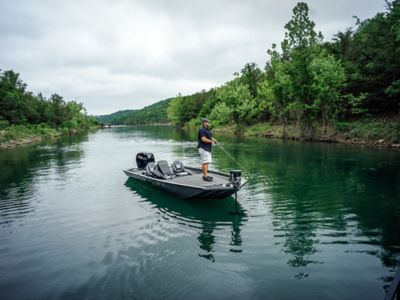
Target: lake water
{"x": 320, "y": 221}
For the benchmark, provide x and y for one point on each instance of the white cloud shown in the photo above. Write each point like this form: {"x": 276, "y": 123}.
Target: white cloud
{"x": 128, "y": 54}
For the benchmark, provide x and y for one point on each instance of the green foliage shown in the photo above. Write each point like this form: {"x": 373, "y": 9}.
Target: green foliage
{"x": 18, "y": 132}
{"x": 328, "y": 78}
{"x": 234, "y": 96}
{"x": 251, "y": 76}
{"x": 221, "y": 114}
{"x": 258, "y": 129}
{"x": 372, "y": 130}
{"x": 4, "y": 124}
{"x": 309, "y": 86}
{"x": 371, "y": 58}
{"x": 182, "y": 109}
{"x": 175, "y": 111}
{"x": 305, "y": 80}
{"x": 114, "y": 118}
{"x": 300, "y": 30}
{"x": 22, "y": 113}
{"x": 152, "y": 114}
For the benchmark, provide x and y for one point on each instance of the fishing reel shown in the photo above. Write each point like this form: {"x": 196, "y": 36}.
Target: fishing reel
{"x": 235, "y": 178}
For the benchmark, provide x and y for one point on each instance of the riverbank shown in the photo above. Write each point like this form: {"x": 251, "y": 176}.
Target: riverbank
{"x": 18, "y": 135}
{"x": 368, "y": 132}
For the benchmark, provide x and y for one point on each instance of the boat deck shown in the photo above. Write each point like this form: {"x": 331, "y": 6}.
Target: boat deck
{"x": 197, "y": 180}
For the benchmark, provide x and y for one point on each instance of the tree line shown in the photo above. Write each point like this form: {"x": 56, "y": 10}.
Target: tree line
{"x": 21, "y": 107}
{"x": 153, "y": 114}
{"x": 309, "y": 83}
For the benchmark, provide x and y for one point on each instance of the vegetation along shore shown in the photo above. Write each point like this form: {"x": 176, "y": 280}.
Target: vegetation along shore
{"x": 345, "y": 90}
{"x": 27, "y": 118}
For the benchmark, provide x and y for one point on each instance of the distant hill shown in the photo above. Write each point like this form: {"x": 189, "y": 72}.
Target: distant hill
{"x": 155, "y": 113}
{"x": 114, "y": 118}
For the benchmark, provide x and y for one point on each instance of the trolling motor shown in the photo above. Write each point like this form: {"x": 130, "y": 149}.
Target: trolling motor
{"x": 235, "y": 178}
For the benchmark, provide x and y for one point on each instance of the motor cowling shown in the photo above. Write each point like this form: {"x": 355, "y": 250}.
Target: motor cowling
{"x": 143, "y": 158}
{"x": 235, "y": 177}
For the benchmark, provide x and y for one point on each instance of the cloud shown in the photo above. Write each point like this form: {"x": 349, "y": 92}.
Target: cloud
{"x": 128, "y": 54}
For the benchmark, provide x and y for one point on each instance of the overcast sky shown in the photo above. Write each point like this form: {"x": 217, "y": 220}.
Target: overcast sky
{"x": 126, "y": 54}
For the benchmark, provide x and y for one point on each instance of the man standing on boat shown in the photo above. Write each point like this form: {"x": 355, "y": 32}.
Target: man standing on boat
{"x": 205, "y": 141}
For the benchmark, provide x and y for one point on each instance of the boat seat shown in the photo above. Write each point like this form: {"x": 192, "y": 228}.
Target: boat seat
{"x": 179, "y": 168}
{"x": 164, "y": 169}
{"x": 153, "y": 171}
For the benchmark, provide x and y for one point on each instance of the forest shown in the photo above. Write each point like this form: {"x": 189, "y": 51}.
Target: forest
{"x": 25, "y": 115}
{"x": 152, "y": 114}
{"x": 311, "y": 89}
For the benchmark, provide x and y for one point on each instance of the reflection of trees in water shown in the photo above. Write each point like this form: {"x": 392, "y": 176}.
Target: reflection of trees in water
{"x": 236, "y": 237}
{"x": 20, "y": 168}
{"x": 205, "y": 215}
{"x": 163, "y": 132}
{"x": 324, "y": 187}
{"x": 207, "y": 240}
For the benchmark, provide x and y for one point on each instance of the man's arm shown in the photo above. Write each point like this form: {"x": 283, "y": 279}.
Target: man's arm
{"x": 208, "y": 141}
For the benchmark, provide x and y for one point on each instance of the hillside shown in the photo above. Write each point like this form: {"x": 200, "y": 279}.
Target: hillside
{"x": 152, "y": 114}
{"x": 114, "y": 118}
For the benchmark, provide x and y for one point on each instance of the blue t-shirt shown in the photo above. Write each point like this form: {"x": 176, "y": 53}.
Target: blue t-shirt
{"x": 207, "y": 133}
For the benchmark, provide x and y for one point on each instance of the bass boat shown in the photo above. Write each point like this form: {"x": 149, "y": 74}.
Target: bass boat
{"x": 185, "y": 182}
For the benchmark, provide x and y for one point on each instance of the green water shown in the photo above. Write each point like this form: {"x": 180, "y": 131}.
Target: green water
{"x": 319, "y": 221}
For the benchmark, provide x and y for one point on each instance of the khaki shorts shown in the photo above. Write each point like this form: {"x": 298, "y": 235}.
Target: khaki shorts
{"x": 205, "y": 156}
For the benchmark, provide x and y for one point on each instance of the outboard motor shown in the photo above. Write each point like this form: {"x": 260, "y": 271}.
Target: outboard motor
{"x": 143, "y": 158}
{"x": 235, "y": 178}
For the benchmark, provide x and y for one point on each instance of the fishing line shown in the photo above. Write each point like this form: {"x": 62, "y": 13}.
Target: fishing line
{"x": 249, "y": 174}
{"x": 227, "y": 153}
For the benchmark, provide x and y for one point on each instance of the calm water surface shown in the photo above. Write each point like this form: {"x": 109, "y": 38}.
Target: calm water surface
{"x": 319, "y": 221}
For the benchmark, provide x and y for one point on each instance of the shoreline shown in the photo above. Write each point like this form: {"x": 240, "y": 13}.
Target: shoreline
{"x": 27, "y": 139}
{"x": 274, "y": 131}
{"x": 257, "y": 130}
{"x": 21, "y": 142}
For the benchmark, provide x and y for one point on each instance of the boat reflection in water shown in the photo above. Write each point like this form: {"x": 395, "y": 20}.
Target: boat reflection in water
{"x": 207, "y": 215}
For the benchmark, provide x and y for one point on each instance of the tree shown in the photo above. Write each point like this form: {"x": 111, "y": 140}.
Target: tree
{"x": 371, "y": 58}
{"x": 235, "y": 98}
{"x": 305, "y": 80}
{"x": 12, "y": 92}
{"x": 328, "y": 80}
{"x": 251, "y": 76}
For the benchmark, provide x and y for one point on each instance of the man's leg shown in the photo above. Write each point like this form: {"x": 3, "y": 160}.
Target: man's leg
{"x": 205, "y": 169}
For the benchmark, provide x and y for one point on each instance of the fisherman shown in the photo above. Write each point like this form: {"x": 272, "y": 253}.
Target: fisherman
{"x": 205, "y": 141}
